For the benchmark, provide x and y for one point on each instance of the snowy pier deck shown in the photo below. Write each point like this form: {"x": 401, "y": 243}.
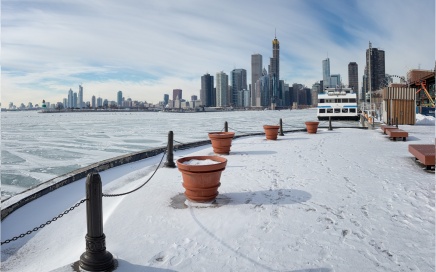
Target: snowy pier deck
{"x": 341, "y": 200}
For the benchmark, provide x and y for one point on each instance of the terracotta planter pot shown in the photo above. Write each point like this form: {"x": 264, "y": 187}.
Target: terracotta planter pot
{"x": 312, "y": 127}
{"x": 221, "y": 141}
{"x": 201, "y": 182}
{"x": 271, "y": 132}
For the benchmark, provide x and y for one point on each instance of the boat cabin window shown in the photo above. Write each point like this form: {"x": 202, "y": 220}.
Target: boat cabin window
{"x": 337, "y": 110}
{"x": 344, "y": 110}
{"x": 321, "y": 110}
{"x": 353, "y": 110}
{"x": 321, "y": 100}
{"x": 329, "y": 110}
{"x": 352, "y": 100}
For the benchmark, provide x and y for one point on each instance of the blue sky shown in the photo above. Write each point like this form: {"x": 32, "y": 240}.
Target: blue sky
{"x": 148, "y": 48}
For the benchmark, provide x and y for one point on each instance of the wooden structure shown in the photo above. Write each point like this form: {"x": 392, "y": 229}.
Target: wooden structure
{"x": 399, "y": 104}
{"x": 424, "y": 153}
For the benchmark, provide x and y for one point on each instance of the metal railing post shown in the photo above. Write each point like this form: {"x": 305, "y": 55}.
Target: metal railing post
{"x": 396, "y": 122}
{"x": 226, "y": 127}
{"x": 281, "y": 128}
{"x": 170, "y": 153}
{"x": 95, "y": 258}
{"x": 330, "y": 123}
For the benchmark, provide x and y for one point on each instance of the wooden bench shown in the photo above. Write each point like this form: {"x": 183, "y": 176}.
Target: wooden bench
{"x": 386, "y": 127}
{"x": 397, "y": 133}
{"x": 424, "y": 153}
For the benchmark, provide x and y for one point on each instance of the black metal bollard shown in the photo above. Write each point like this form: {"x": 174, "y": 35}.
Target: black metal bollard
{"x": 95, "y": 258}
{"x": 226, "y": 127}
{"x": 170, "y": 153}
{"x": 330, "y": 123}
{"x": 281, "y": 128}
{"x": 396, "y": 122}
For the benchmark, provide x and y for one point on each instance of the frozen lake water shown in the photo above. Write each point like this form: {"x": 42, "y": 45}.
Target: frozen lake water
{"x": 37, "y": 147}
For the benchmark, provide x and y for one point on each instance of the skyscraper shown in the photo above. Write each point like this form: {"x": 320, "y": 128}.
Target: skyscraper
{"x": 274, "y": 72}
{"x": 375, "y": 69}
{"x": 166, "y": 99}
{"x": 93, "y": 102}
{"x": 256, "y": 73}
{"x": 239, "y": 83}
{"x": 222, "y": 82}
{"x": 326, "y": 73}
{"x": 177, "y": 93}
{"x": 353, "y": 77}
{"x": 120, "y": 98}
{"x": 80, "y": 102}
{"x": 207, "y": 91}
{"x": 70, "y": 99}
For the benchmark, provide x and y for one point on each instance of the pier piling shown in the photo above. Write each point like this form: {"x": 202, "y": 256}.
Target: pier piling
{"x": 330, "y": 123}
{"x": 170, "y": 153}
{"x": 95, "y": 258}
{"x": 281, "y": 128}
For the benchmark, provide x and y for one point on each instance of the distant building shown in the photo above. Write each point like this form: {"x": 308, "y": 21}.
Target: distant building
{"x": 177, "y": 93}
{"x": 120, "y": 99}
{"x": 262, "y": 90}
{"x": 239, "y": 82}
{"x": 70, "y": 99}
{"x": 93, "y": 102}
{"x": 335, "y": 81}
{"x": 353, "y": 77}
{"x": 222, "y": 82}
{"x": 80, "y": 103}
{"x": 316, "y": 89}
{"x": 375, "y": 69}
{"x": 99, "y": 102}
{"x": 207, "y": 92}
{"x": 194, "y": 98}
{"x": 326, "y": 73}
{"x": 74, "y": 100}
{"x": 256, "y": 73}
{"x": 166, "y": 99}
{"x": 274, "y": 71}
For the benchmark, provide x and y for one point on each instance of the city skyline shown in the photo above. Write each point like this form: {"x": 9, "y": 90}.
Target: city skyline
{"x": 145, "y": 51}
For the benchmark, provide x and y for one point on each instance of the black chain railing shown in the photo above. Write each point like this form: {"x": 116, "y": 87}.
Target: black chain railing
{"x": 7, "y": 241}
{"x": 142, "y": 185}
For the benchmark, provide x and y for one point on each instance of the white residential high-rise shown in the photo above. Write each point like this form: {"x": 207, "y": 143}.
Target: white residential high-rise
{"x": 80, "y": 103}
{"x": 256, "y": 73}
{"x": 222, "y": 82}
{"x": 70, "y": 99}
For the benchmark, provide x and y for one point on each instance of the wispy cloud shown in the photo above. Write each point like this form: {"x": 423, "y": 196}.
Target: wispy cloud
{"x": 148, "y": 48}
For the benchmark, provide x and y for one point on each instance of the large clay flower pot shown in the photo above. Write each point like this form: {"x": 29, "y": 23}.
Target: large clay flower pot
{"x": 271, "y": 132}
{"x": 221, "y": 141}
{"x": 201, "y": 181}
{"x": 312, "y": 127}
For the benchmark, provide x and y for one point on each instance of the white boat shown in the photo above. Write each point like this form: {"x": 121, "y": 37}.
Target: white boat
{"x": 337, "y": 103}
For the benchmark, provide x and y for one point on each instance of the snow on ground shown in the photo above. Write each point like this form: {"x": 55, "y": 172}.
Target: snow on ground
{"x": 341, "y": 200}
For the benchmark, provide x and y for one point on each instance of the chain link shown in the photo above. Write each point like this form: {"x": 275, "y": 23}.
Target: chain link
{"x": 44, "y": 224}
{"x": 142, "y": 185}
{"x": 240, "y": 131}
{"x": 178, "y": 142}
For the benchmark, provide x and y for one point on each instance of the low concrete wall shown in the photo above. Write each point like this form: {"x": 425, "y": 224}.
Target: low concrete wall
{"x": 78, "y": 174}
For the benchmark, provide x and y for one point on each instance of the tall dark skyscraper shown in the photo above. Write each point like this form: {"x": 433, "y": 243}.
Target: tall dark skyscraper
{"x": 353, "y": 77}
{"x": 375, "y": 69}
{"x": 177, "y": 93}
{"x": 166, "y": 99}
{"x": 274, "y": 70}
{"x": 239, "y": 83}
{"x": 207, "y": 92}
{"x": 256, "y": 73}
